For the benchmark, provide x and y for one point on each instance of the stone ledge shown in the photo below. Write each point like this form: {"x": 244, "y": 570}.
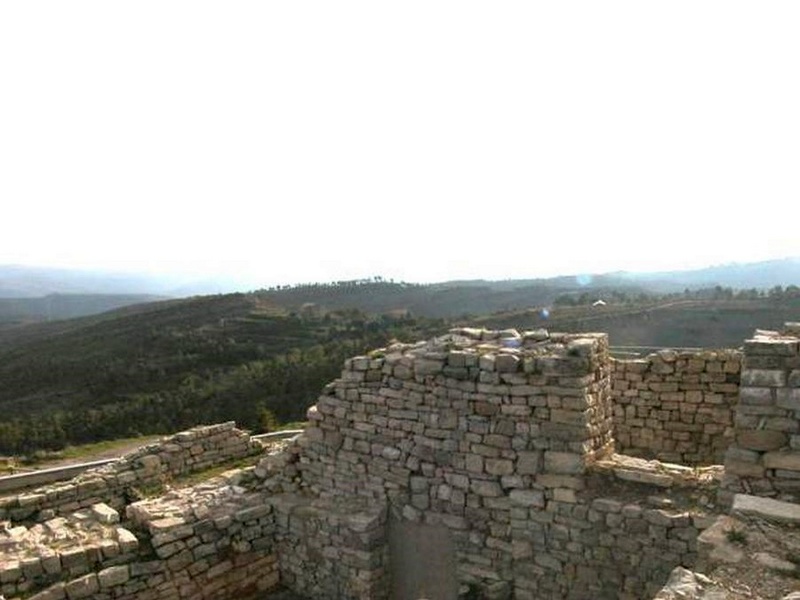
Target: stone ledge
{"x": 766, "y": 508}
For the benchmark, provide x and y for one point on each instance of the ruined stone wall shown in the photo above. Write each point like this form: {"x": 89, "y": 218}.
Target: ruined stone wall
{"x": 153, "y": 465}
{"x": 764, "y": 459}
{"x": 676, "y": 406}
{"x": 496, "y": 446}
{"x": 233, "y": 536}
{"x": 215, "y": 541}
{"x": 495, "y": 436}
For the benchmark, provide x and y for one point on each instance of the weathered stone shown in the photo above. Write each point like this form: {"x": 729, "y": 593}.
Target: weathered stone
{"x": 786, "y": 460}
{"x": 83, "y": 587}
{"x": 761, "y": 440}
{"x": 563, "y": 462}
{"x": 104, "y": 513}
{"x": 506, "y": 363}
{"x": 533, "y": 498}
{"x": 657, "y": 479}
{"x": 763, "y": 377}
{"x": 766, "y": 508}
{"x": 771, "y": 561}
{"x": 113, "y": 576}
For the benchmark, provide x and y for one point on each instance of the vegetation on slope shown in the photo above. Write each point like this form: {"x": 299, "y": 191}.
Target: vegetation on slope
{"x": 161, "y": 367}
{"x": 177, "y": 364}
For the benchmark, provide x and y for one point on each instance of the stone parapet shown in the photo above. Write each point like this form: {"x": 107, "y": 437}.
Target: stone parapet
{"x": 764, "y": 459}
{"x": 676, "y": 406}
{"x": 150, "y": 466}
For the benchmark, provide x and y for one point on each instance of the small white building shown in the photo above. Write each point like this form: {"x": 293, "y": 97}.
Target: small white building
{"x": 599, "y": 303}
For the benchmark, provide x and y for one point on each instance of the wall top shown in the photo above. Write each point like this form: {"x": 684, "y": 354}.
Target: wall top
{"x": 464, "y": 352}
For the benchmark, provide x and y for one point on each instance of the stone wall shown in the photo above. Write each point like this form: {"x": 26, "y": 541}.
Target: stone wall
{"x": 676, "y": 406}
{"x": 214, "y": 541}
{"x": 234, "y": 536}
{"x": 150, "y": 466}
{"x": 499, "y": 444}
{"x": 498, "y": 436}
{"x": 765, "y": 457}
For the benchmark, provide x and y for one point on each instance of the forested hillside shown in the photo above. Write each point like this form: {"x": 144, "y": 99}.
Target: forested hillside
{"x": 262, "y": 358}
{"x": 166, "y": 366}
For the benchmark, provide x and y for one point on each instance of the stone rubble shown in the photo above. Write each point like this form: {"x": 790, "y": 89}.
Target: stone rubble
{"x": 150, "y": 466}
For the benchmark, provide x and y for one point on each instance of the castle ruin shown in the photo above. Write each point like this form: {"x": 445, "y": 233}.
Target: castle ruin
{"x": 480, "y": 464}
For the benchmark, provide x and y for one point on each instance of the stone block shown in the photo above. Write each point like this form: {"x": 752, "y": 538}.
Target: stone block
{"x": 486, "y": 488}
{"x": 761, "y": 440}
{"x": 787, "y": 460}
{"x": 756, "y": 396}
{"x": 496, "y": 466}
{"x": 127, "y": 541}
{"x": 763, "y": 378}
{"x": 528, "y": 463}
{"x": 646, "y": 477}
{"x": 563, "y": 462}
{"x": 527, "y": 498}
{"x": 506, "y": 363}
{"x": 83, "y": 587}
{"x": 788, "y": 398}
{"x": 764, "y": 346}
{"x": 103, "y": 513}
{"x": 113, "y": 576}
{"x": 766, "y": 508}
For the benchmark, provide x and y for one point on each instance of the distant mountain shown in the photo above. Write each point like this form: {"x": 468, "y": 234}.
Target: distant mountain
{"x": 17, "y": 281}
{"x": 445, "y": 299}
{"x": 17, "y": 311}
{"x": 761, "y": 275}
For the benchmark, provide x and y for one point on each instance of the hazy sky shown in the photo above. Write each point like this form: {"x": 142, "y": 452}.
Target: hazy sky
{"x": 420, "y": 140}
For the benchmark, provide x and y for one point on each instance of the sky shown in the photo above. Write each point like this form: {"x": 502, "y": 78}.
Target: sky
{"x": 286, "y": 142}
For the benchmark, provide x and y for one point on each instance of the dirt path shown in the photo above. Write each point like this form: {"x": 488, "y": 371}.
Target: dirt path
{"x": 114, "y": 451}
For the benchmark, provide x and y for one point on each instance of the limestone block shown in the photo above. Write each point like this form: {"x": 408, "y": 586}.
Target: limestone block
{"x": 763, "y": 378}
{"x": 506, "y": 363}
{"x": 788, "y": 398}
{"x": 54, "y": 592}
{"x": 766, "y": 508}
{"x": 528, "y": 463}
{"x": 526, "y": 498}
{"x": 10, "y": 571}
{"x": 490, "y": 489}
{"x": 756, "y": 396}
{"x": 794, "y": 378}
{"x": 764, "y": 346}
{"x": 113, "y": 576}
{"x": 495, "y": 466}
{"x": 771, "y": 561}
{"x": 563, "y": 462}
{"x": 104, "y": 513}
{"x": 83, "y": 587}
{"x": 127, "y": 541}
{"x": 428, "y": 367}
{"x": 647, "y": 477}
{"x": 150, "y": 462}
{"x": 761, "y": 440}
{"x": 787, "y": 460}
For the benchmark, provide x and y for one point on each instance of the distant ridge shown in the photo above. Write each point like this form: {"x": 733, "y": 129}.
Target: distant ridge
{"x": 17, "y": 281}
{"x": 53, "y": 307}
{"x": 475, "y": 296}
{"x": 761, "y": 275}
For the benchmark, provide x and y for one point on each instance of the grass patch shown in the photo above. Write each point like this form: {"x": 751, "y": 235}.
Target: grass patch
{"x": 293, "y": 425}
{"x": 736, "y": 536}
{"x": 88, "y": 452}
